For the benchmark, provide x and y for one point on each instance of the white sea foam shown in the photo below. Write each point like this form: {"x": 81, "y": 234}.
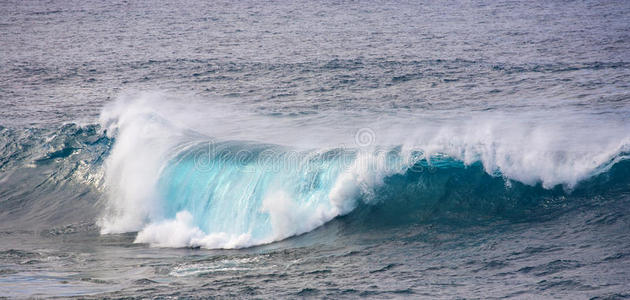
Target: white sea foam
{"x": 151, "y": 129}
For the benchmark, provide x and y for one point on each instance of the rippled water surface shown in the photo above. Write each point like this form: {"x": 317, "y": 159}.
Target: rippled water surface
{"x": 340, "y": 149}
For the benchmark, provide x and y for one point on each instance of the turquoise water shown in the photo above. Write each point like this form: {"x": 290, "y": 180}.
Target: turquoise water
{"x": 325, "y": 150}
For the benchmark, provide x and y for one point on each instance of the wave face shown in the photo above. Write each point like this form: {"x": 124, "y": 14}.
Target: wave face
{"x": 50, "y": 177}
{"x": 187, "y": 176}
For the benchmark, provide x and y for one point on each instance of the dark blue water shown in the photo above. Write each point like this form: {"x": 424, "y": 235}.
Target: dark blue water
{"x": 467, "y": 149}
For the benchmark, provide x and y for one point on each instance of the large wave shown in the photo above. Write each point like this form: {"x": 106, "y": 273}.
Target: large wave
{"x": 184, "y": 174}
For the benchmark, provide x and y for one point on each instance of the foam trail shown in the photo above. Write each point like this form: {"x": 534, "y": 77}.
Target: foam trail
{"x": 189, "y": 175}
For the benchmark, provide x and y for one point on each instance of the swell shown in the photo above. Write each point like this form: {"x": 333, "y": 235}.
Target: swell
{"x": 457, "y": 194}
{"x": 235, "y": 193}
{"x": 51, "y": 177}
{"x": 151, "y": 171}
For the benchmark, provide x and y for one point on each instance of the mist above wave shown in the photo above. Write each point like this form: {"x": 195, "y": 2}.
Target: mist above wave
{"x": 263, "y": 183}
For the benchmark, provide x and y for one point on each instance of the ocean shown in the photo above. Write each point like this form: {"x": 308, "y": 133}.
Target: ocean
{"x": 315, "y": 149}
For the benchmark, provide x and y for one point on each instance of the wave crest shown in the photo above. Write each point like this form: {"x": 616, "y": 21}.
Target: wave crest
{"x": 221, "y": 188}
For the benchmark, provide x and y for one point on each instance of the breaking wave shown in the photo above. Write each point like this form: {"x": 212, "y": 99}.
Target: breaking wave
{"x": 186, "y": 174}
{"x": 222, "y": 180}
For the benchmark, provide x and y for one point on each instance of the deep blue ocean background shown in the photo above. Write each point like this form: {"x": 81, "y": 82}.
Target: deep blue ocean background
{"x": 325, "y": 149}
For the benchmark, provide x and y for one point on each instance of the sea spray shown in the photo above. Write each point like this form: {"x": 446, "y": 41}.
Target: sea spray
{"x": 182, "y": 178}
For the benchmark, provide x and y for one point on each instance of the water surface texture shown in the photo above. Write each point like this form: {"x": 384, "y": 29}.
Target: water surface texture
{"x": 341, "y": 149}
